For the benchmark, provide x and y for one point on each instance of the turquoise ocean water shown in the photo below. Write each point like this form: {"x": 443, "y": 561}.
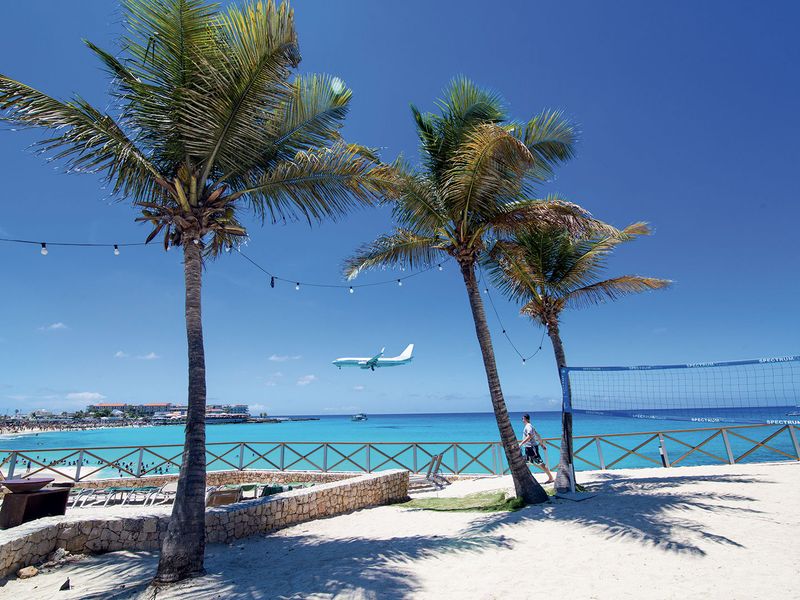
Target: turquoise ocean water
{"x": 432, "y": 431}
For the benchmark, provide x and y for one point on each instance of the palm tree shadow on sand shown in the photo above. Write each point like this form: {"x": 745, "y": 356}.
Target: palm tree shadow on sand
{"x": 295, "y": 566}
{"x": 659, "y": 512}
{"x": 655, "y": 511}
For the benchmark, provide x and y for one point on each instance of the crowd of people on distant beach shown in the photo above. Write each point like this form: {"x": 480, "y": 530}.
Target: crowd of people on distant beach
{"x": 14, "y": 426}
{"x": 123, "y": 468}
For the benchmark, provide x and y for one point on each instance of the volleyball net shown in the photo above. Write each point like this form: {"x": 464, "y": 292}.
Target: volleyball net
{"x": 763, "y": 390}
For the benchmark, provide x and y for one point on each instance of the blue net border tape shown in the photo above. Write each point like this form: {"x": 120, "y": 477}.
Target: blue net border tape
{"x": 702, "y": 365}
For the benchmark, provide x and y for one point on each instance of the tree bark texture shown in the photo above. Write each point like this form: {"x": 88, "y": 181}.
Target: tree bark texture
{"x": 183, "y": 548}
{"x": 525, "y": 485}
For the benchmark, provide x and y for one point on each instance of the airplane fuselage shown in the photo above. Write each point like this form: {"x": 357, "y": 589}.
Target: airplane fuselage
{"x": 363, "y": 363}
{"x": 377, "y": 361}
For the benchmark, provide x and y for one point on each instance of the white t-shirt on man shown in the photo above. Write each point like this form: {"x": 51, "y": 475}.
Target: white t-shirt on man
{"x": 528, "y": 431}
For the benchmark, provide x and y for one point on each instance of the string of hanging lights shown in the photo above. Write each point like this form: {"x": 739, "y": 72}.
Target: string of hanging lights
{"x": 524, "y": 358}
{"x": 351, "y": 288}
{"x": 274, "y": 278}
{"x": 44, "y": 245}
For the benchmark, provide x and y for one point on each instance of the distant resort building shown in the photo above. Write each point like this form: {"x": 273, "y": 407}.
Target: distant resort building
{"x": 167, "y": 411}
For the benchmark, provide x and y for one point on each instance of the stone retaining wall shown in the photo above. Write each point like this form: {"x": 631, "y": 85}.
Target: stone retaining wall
{"x": 31, "y": 543}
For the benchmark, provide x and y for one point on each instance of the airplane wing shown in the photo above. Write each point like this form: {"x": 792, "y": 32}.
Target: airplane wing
{"x": 373, "y": 362}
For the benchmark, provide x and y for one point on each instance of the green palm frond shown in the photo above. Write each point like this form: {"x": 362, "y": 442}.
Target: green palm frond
{"x": 169, "y": 45}
{"x": 463, "y": 107}
{"x": 584, "y": 258}
{"x": 611, "y": 289}
{"x": 550, "y": 210}
{"x": 165, "y": 39}
{"x": 86, "y": 139}
{"x": 509, "y": 270}
{"x": 550, "y": 138}
{"x": 476, "y": 169}
{"x": 468, "y": 103}
{"x": 207, "y": 122}
{"x": 426, "y": 130}
{"x": 547, "y": 268}
{"x": 223, "y": 121}
{"x": 317, "y": 184}
{"x": 488, "y": 168}
{"x": 419, "y": 207}
{"x": 313, "y": 113}
{"x": 125, "y": 80}
{"x": 403, "y": 247}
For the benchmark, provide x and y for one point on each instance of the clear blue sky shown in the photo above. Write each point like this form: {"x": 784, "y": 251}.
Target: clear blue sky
{"x": 688, "y": 117}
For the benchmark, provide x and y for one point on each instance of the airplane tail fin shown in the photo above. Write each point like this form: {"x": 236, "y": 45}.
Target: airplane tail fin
{"x": 406, "y": 354}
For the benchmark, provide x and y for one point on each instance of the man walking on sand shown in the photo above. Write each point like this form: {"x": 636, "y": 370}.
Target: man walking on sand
{"x": 530, "y": 445}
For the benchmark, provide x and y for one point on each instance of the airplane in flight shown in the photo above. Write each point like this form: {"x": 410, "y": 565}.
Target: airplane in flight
{"x": 377, "y": 361}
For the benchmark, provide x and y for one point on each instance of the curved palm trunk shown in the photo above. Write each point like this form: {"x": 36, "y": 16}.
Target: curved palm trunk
{"x": 564, "y": 477}
{"x": 525, "y": 485}
{"x": 184, "y": 545}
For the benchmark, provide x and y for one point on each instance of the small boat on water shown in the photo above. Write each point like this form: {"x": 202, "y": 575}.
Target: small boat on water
{"x": 359, "y": 417}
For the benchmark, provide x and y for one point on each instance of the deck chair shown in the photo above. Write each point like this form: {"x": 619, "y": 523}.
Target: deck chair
{"x": 268, "y": 490}
{"x": 78, "y": 494}
{"x": 431, "y": 479}
{"x": 164, "y": 494}
{"x": 119, "y": 493}
{"x": 140, "y": 494}
{"x": 222, "y": 497}
{"x": 95, "y": 496}
{"x": 249, "y": 490}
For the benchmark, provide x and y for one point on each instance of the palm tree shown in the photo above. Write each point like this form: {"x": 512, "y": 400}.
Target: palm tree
{"x": 207, "y": 124}
{"x": 478, "y": 168}
{"x": 548, "y": 269}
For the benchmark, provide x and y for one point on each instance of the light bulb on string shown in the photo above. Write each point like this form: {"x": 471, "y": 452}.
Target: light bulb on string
{"x": 44, "y": 249}
{"x": 116, "y": 250}
{"x": 352, "y": 290}
{"x": 297, "y": 286}
{"x": 399, "y": 283}
{"x": 272, "y": 282}
{"x": 523, "y": 362}
{"x": 485, "y": 290}
{"x": 440, "y": 268}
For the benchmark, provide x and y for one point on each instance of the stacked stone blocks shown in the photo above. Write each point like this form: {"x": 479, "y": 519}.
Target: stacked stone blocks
{"x": 32, "y": 543}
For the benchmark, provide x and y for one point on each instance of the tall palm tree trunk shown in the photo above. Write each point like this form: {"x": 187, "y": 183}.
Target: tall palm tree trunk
{"x": 564, "y": 477}
{"x": 525, "y": 485}
{"x": 183, "y": 547}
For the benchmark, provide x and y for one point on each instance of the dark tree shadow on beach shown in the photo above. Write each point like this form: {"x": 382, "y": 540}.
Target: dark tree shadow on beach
{"x": 114, "y": 576}
{"x": 285, "y": 567}
{"x": 663, "y": 513}
{"x": 357, "y": 567}
{"x": 654, "y": 511}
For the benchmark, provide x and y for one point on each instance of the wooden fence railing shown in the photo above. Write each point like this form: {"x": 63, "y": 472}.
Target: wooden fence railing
{"x": 727, "y": 445}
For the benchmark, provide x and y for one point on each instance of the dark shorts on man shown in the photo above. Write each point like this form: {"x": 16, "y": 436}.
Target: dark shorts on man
{"x": 532, "y": 455}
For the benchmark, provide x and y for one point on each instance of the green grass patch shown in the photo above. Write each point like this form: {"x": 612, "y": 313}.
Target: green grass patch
{"x": 496, "y": 501}
{"x": 492, "y": 501}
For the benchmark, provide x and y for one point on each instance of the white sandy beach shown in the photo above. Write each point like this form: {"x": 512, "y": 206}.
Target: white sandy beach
{"x": 691, "y": 532}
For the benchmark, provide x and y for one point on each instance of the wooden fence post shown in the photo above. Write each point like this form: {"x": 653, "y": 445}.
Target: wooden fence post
{"x": 793, "y": 435}
{"x": 600, "y": 458}
{"x": 731, "y": 459}
{"x": 662, "y": 449}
